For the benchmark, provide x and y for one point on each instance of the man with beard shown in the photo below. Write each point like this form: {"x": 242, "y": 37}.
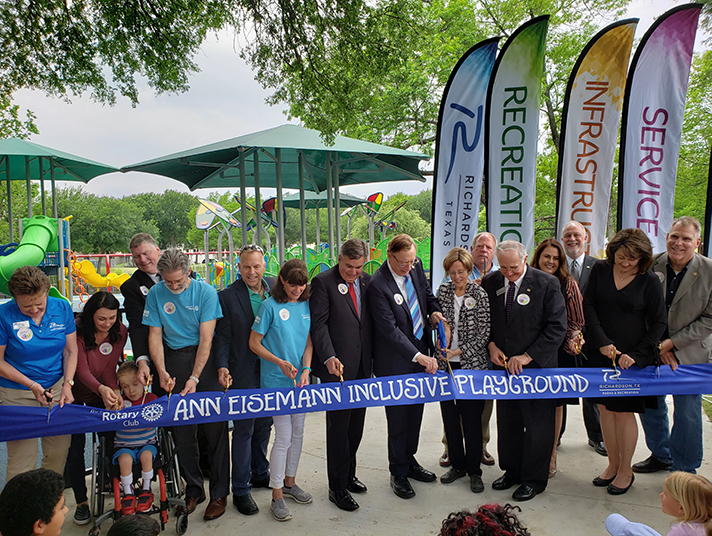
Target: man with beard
{"x": 181, "y": 314}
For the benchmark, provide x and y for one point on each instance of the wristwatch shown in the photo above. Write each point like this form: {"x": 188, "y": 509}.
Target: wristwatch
{"x": 70, "y": 382}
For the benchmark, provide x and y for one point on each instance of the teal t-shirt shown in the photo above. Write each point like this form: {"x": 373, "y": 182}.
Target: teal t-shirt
{"x": 180, "y": 315}
{"x": 256, "y": 298}
{"x": 285, "y": 328}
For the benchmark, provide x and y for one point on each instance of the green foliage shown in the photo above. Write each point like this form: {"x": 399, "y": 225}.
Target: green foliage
{"x": 65, "y": 48}
{"x": 169, "y": 212}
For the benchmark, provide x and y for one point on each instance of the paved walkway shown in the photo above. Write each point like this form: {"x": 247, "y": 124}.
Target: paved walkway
{"x": 571, "y": 505}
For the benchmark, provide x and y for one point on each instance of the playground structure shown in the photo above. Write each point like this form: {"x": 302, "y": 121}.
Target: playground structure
{"x": 220, "y": 272}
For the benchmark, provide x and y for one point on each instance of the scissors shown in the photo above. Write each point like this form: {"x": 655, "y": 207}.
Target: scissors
{"x": 504, "y": 359}
{"x": 48, "y": 396}
{"x": 341, "y": 375}
{"x": 229, "y": 383}
{"x": 145, "y": 388}
{"x": 613, "y": 359}
{"x": 294, "y": 369}
{"x": 443, "y": 352}
{"x": 170, "y": 392}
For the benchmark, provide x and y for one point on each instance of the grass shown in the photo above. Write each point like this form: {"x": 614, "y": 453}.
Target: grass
{"x": 707, "y": 405}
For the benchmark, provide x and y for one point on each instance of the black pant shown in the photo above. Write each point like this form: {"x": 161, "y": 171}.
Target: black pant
{"x": 76, "y": 467}
{"x": 525, "y": 440}
{"x": 403, "y": 436}
{"x": 344, "y": 430}
{"x": 464, "y": 417}
{"x": 179, "y": 364}
{"x": 592, "y": 420}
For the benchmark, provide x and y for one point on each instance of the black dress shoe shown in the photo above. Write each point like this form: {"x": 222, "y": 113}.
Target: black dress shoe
{"x": 615, "y": 490}
{"x": 452, "y": 475}
{"x": 343, "y": 499}
{"x": 402, "y": 487}
{"x": 416, "y": 472}
{"x": 651, "y": 465}
{"x": 524, "y": 493}
{"x": 245, "y": 504}
{"x": 598, "y": 446}
{"x": 356, "y": 486}
{"x": 260, "y": 482}
{"x": 476, "y": 485}
{"x": 503, "y": 483}
{"x": 603, "y": 482}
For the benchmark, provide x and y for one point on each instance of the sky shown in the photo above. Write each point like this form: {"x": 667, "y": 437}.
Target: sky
{"x": 224, "y": 101}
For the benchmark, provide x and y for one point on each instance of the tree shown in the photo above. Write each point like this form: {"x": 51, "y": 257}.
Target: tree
{"x": 65, "y": 48}
{"x": 170, "y": 213}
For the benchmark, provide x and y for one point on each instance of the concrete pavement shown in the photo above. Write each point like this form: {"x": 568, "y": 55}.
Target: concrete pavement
{"x": 571, "y": 505}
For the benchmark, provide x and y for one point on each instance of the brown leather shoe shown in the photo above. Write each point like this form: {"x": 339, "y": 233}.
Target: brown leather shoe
{"x": 487, "y": 458}
{"x": 215, "y": 509}
{"x": 192, "y": 502}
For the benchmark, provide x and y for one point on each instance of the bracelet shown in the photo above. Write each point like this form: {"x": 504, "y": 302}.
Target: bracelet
{"x": 306, "y": 368}
{"x": 33, "y": 384}
{"x": 196, "y": 380}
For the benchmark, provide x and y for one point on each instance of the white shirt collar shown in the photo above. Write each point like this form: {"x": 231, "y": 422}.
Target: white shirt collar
{"x": 578, "y": 259}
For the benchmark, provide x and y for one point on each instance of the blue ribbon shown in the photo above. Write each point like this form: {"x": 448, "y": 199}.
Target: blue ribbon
{"x": 18, "y": 422}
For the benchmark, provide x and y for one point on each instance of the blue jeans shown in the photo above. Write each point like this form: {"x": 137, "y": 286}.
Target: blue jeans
{"x": 683, "y": 446}
{"x": 249, "y": 453}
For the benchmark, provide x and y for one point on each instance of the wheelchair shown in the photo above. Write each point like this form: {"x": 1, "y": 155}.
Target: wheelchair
{"x": 105, "y": 483}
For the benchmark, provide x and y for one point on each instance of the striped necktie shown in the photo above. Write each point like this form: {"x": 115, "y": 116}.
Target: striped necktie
{"x": 414, "y": 308}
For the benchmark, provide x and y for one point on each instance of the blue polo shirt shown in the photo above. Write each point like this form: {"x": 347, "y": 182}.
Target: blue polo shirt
{"x": 285, "y": 328}
{"x": 34, "y": 350}
{"x": 180, "y": 315}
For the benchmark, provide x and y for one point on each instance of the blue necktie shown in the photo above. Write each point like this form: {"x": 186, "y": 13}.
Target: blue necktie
{"x": 414, "y": 307}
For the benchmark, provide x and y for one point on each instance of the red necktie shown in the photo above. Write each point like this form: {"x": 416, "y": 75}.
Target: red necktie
{"x": 353, "y": 296}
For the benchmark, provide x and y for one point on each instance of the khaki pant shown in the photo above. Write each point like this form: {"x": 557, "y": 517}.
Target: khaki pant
{"x": 22, "y": 454}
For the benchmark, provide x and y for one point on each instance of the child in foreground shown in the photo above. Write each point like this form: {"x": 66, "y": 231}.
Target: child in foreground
{"x": 134, "y": 446}
{"x": 686, "y": 497}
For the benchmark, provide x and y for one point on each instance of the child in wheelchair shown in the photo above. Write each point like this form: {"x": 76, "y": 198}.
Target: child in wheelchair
{"x": 134, "y": 446}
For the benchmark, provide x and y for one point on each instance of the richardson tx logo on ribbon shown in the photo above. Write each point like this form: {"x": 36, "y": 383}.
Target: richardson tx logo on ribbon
{"x": 27, "y": 422}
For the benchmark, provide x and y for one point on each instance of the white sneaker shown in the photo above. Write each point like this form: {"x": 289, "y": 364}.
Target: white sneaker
{"x": 280, "y": 511}
{"x": 297, "y": 494}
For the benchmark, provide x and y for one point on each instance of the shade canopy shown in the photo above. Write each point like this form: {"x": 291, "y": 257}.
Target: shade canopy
{"x": 217, "y": 165}
{"x": 313, "y": 200}
{"x": 67, "y": 167}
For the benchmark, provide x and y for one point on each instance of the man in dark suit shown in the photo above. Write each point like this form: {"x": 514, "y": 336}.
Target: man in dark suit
{"x": 401, "y": 307}
{"x": 528, "y": 324}
{"x": 341, "y": 335}
{"x": 574, "y": 239}
{"x": 234, "y": 359}
{"x": 145, "y": 254}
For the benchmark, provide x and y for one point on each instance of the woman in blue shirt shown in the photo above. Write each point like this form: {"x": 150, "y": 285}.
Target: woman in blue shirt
{"x": 280, "y": 336}
{"x": 38, "y": 358}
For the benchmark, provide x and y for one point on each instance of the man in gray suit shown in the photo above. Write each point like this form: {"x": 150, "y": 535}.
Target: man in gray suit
{"x": 574, "y": 239}
{"x": 686, "y": 277}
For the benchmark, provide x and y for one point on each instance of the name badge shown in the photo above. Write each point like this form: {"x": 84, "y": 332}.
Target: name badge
{"x": 284, "y": 314}
{"x": 169, "y": 308}
{"x": 105, "y": 348}
{"x": 469, "y": 302}
{"x": 343, "y": 288}
{"x": 143, "y": 290}
{"x": 21, "y": 324}
{"x": 523, "y": 299}
{"x": 398, "y": 298}
{"x": 25, "y": 334}
{"x": 661, "y": 277}
{"x": 501, "y": 291}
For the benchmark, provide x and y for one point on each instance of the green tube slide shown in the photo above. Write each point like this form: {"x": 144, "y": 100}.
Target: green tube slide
{"x": 38, "y": 234}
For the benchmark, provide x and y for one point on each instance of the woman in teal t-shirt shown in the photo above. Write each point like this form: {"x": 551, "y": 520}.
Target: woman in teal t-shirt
{"x": 280, "y": 336}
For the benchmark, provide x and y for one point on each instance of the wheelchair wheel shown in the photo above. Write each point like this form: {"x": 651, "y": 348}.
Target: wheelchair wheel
{"x": 181, "y": 524}
{"x": 169, "y": 454}
{"x": 99, "y": 476}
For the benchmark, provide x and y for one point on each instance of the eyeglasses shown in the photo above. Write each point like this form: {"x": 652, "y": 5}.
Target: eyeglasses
{"x": 404, "y": 264}
{"x": 251, "y": 247}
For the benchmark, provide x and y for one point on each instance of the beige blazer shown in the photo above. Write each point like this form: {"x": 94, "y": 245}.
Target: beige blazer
{"x": 690, "y": 315}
